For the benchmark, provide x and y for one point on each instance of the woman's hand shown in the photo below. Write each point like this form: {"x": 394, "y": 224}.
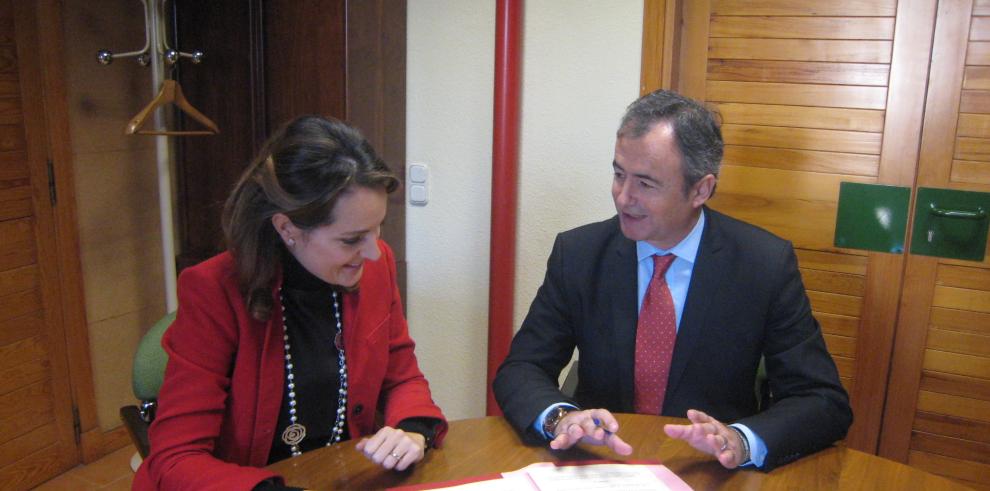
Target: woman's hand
{"x": 393, "y": 448}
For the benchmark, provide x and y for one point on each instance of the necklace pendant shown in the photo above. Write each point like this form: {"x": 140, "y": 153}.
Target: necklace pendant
{"x": 338, "y": 341}
{"x": 293, "y": 434}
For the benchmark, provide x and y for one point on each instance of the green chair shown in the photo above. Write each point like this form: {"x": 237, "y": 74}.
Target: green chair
{"x": 148, "y": 373}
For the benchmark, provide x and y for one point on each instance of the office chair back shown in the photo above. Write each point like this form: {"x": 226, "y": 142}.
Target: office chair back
{"x": 148, "y": 371}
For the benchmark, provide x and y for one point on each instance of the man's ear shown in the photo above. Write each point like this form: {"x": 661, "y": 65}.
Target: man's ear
{"x": 285, "y": 228}
{"x": 702, "y": 190}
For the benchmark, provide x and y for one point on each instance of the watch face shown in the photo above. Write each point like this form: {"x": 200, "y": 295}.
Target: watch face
{"x": 552, "y": 419}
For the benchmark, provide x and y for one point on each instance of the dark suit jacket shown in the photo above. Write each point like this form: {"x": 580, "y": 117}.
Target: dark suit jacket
{"x": 746, "y": 300}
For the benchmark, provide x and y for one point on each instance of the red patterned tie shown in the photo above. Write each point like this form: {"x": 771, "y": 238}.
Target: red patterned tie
{"x": 656, "y": 332}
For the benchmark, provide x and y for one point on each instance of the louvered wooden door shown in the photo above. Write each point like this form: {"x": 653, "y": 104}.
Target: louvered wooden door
{"x": 815, "y": 93}
{"x": 809, "y": 94}
{"x": 36, "y": 429}
{"x": 938, "y": 405}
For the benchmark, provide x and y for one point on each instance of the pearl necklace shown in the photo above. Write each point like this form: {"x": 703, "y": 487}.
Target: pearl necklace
{"x": 295, "y": 432}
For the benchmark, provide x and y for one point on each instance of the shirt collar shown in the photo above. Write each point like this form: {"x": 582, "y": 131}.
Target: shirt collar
{"x": 686, "y": 249}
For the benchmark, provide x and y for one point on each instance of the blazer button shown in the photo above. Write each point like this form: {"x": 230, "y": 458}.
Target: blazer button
{"x": 357, "y": 409}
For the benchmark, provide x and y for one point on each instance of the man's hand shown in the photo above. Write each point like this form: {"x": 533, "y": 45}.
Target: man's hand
{"x": 594, "y": 426}
{"x": 709, "y": 435}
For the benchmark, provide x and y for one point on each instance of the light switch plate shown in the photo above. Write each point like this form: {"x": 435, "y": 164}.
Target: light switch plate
{"x": 418, "y": 185}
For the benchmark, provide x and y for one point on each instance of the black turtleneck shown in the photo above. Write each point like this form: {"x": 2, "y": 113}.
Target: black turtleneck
{"x": 308, "y": 306}
{"x": 309, "y": 318}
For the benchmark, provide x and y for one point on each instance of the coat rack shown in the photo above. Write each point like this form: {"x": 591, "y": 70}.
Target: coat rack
{"x": 156, "y": 49}
{"x": 156, "y": 53}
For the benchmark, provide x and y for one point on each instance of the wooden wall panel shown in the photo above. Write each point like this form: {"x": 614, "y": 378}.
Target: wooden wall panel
{"x": 803, "y": 89}
{"x": 36, "y": 430}
{"x": 817, "y": 27}
{"x": 851, "y": 8}
{"x": 939, "y": 416}
{"x": 802, "y": 116}
{"x": 799, "y": 72}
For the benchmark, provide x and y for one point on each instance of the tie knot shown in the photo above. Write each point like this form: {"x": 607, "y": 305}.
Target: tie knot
{"x": 661, "y": 264}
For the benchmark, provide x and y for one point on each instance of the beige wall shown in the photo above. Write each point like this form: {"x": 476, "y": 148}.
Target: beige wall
{"x": 116, "y": 193}
{"x": 580, "y": 70}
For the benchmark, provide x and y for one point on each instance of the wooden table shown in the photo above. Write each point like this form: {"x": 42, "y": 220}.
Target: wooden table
{"x": 489, "y": 445}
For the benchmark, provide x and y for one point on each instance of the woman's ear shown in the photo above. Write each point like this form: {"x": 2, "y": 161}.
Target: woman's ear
{"x": 285, "y": 229}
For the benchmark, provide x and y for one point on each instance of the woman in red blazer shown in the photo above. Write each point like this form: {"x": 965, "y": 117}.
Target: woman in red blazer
{"x": 294, "y": 338}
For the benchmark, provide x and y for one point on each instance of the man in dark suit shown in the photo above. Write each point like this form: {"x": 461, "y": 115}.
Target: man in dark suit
{"x": 671, "y": 306}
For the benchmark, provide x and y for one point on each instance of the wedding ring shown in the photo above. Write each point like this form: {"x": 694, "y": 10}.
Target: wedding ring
{"x": 395, "y": 455}
{"x": 725, "y": 444}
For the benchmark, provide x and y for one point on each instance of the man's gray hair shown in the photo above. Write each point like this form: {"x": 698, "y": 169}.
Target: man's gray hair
{"x": 696, "y": 129}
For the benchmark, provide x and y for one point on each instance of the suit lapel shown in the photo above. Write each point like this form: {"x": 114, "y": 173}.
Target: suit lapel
{"x": 702, "y": 292}
{"x": 621, "y": 289}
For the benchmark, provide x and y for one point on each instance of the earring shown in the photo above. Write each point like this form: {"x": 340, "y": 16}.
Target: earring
{"x": 290, "y": 241}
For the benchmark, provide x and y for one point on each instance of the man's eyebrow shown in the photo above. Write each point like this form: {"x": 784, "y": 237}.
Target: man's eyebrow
{"x": 639, "y": 176}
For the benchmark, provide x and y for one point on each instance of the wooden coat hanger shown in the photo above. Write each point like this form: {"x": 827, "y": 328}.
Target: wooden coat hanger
{"x": 170, "y": 93}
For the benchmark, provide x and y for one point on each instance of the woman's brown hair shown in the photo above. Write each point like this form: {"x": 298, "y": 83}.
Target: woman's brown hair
{"x": 301, "y": 171}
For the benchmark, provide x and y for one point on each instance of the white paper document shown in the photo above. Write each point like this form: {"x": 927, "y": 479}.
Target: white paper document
{"x": 596, "y": 477}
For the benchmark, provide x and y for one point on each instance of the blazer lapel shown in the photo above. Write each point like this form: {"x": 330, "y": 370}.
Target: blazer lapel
{"x": 702, "y": 292}
{"x": 622, "y": 291}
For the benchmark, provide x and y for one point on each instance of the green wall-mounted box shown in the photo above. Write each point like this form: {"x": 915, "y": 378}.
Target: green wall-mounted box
{"x": 872, "y": 217}
{"x": 950, "y": 223}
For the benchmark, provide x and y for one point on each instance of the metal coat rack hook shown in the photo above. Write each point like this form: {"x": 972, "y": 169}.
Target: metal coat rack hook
{"x": 170, "y": 55}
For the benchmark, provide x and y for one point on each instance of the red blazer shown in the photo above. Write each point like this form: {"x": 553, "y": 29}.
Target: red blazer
{"x": 220, "y": 399}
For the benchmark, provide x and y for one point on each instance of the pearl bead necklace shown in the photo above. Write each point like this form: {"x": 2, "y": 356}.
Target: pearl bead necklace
{"x": 295, "y": 432}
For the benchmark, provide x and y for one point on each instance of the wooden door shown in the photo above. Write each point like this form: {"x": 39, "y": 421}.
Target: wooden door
{"x": 36, "y": 419}
{"x": 279, "y": 59}
{"x": 938, "y": 406}
{"x": 811, "y": 94}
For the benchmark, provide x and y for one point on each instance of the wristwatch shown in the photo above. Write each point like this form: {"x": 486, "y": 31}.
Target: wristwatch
{"x": 552, "y": 419}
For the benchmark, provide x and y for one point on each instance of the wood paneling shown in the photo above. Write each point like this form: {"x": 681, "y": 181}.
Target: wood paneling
{"x": 851, "y": 8}
{"x": 960, "y": 320}
{"x": 970, "y": 172}
{"x": 959, "y": 342}
{"x": 830, "y": 261}
{"x": 974, "y": 125}
{"x": 803, "y": 138}
{"x": 975, "y": 101}
{"x": 966, "y": 471}
{"x": 976, "y": 78}
{"x": 951, "y": 447}
{"x": 841, "y": 325}
{"x": 799, "y": 72}
{"x": 955, "y": 363}
{"x": 961, "y": 298}
{"x": 841, "y": 345}
{"x": 809, "y": 27}
{"x": 835, "y": 304}
{"x": 972, "y": 149}
{"x": 978, "y": 53}
{"x": 266, "y": 51}
{"x": 812, "y": 94}
{"x": 801, "y": 116}
{"x": 802, "y": 160}
{"x": 798, "y": 94}
{"x": 841, "y": 51}
{"x": 959, "y": 385}
{"x": 36, "y": 433}
{"x": 833, "y": 282}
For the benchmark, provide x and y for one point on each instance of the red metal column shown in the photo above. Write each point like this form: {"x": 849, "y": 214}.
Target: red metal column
{"x": 505, "y": 165}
